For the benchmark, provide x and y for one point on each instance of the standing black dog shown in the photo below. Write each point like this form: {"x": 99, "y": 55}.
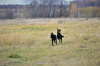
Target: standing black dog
{"x": 53, "y": 37}
{"x": 59, "y": 36}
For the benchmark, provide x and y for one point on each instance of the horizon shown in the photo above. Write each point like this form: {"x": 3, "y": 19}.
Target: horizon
{"x": 15, "y": 2}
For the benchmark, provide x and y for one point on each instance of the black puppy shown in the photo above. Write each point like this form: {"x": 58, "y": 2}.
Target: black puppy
{"x": 53, "y": 37}
{"x": 59, "y": 36}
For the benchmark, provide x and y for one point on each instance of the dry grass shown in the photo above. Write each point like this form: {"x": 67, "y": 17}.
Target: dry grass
{"x": 30, "y": 40}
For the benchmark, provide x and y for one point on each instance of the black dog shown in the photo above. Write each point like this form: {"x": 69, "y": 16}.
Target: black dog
{"x": 59, "y": 36}
{"x": 53, "y": 37}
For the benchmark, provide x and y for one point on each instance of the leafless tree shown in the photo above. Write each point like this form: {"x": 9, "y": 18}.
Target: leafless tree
{"x": 47, "y": 8}
{"x": 9, "y": 13}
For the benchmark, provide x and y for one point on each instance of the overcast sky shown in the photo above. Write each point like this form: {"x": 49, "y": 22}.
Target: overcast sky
{"x": 14, "y": 2}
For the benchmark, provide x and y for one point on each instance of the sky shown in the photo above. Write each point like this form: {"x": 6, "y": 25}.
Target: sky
{"x": 15, "y": 2}
{"x": 12, "y": 2}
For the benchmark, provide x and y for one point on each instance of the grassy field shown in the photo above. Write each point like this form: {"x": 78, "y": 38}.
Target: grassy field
{"x": 27, "y": 42}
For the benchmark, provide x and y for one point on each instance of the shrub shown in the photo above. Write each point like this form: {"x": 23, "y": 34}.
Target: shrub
{"x": 14, "y": 56}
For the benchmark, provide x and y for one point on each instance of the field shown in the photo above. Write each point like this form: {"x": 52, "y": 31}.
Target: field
{"x": 27, "y": 42}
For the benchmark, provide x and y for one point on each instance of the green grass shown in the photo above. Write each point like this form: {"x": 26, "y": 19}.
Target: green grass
{"x": 25, "y": 43}
{"x": 14, "y": 56}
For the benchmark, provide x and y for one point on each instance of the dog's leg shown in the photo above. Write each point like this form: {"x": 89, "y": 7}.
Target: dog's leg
{"x": 52, "y": 41}
{"x": 56, "y": 41}
{"x": 61, "y": 40}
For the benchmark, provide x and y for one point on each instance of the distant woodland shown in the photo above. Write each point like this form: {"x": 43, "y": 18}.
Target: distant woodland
{"x": 52, "y": 9}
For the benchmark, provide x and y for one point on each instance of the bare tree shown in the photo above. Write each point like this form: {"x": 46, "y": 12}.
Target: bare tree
{"x": 9, "y": 13}
{"x": 47, "y": 8}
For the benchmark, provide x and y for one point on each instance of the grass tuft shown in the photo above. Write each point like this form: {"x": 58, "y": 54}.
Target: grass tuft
{"x": 14, "y": 56}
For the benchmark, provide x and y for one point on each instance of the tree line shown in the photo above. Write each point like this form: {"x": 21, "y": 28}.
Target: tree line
{"x": 54, "y": 9}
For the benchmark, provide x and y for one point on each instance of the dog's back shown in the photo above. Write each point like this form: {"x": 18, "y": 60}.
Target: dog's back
{"x": 53, "y": 36}
{"x": 59, "y": 35}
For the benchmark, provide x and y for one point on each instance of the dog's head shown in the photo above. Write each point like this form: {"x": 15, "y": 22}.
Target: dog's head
{"x": 51, "y": 35}
{"x": 58, "y": 30}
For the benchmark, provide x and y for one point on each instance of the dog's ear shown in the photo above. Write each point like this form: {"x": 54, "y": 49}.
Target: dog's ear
{"x": 59, "y": 29}
{"x": 52, "y": 33}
